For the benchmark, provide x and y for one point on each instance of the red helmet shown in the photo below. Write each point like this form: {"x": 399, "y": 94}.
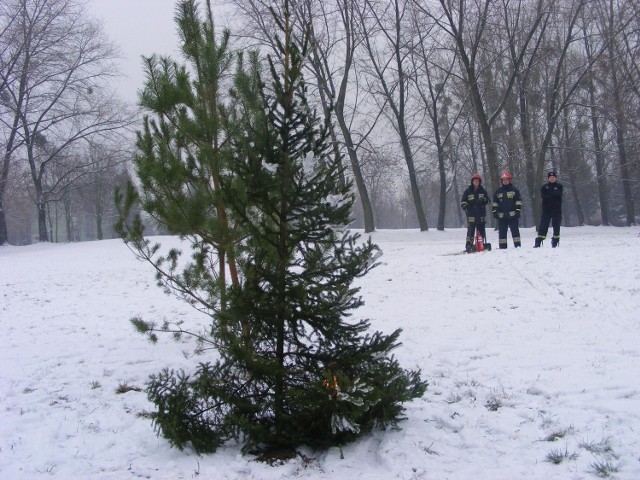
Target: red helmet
{"x": 476, "y": 175}
{"x": 506, "y": 175}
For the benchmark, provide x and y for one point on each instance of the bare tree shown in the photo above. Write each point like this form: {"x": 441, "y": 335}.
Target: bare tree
{"x": 380, "y": 176}
{"x": 385, "y": 29}
{"x": 596, "y": 129}
{"x": 472, "y": 26}
{"x": 11, "y": 50}
{"x": 434, "y": 67}
{"x": 96, "y": 189}
{"x": 59, "y": 95}
{"x": 551, "y": 71}
{"x": 615, "y": 15}
{"x": 337, "y": 44}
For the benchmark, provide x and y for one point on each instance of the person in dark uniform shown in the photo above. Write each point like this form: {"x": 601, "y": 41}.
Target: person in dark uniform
{"x": 474, "y": 201}
{"x": 506, "y": 208}
{"x": 551, "y": 193}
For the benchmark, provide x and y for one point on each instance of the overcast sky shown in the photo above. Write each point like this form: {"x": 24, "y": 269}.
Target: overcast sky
{"x": 137, "y": 27}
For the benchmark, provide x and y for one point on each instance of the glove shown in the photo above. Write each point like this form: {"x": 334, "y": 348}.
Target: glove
{"x": 517, "y": 214}
{"x": 495, "y": 214}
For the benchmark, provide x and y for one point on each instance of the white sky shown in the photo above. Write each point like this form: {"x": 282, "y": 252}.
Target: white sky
{"x": 139, "y": 27}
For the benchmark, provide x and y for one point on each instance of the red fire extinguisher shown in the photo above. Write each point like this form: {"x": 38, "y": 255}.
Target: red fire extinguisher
{"x": 479, "y": 242}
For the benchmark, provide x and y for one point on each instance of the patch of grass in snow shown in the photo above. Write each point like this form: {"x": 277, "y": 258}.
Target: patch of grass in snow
{"x": 467, "y": 383}
{"x": 547, "y": 420}
{"x": 493, "y": 403}
{"x": 604, "y": 468}
{"x": 534, "y": 391}
{"x": 125, "y": 387}
{"x": 558, "y": 456}
{"x": 95, "y": 385}
{"x": 552, "y": 437}
{"x": 61, "y": 398}
{"x": 600, "y": 448}
{"x": 453, "y": 398}
{"x": 428, "y": 449}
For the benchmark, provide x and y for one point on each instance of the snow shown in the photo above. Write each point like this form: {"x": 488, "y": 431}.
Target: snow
{"x": 528, "y": 352}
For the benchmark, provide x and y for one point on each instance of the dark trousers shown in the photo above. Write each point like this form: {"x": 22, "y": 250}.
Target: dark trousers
{"x": 472, "y": 224}
{"x": 503, "y": 226}
{"x": 549, "y": 217}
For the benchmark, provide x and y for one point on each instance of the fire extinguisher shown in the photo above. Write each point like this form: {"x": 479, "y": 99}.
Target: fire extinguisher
{"x": 479, "y": 242}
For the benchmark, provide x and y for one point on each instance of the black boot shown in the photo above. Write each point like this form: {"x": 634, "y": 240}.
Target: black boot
{"x": 468, "y": 248}
{"x": 555, "y": 242}
{"x": 538, "y": 243}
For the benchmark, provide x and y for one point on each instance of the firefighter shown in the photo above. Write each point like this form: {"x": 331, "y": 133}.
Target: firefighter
{"x": 474, "y": 201}
{"x": 551, "y": 193}
{"x": 506, "y": 208}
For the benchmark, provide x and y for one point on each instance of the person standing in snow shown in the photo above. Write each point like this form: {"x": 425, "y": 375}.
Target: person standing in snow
{"x": 506, "y": 208}
{"x": 474, "y": 201}
{"x": 551, "y": 193}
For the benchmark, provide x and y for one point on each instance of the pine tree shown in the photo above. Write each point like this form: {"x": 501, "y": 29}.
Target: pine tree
{"x": 181, "y": 154}
{"x": 294, "y": 368}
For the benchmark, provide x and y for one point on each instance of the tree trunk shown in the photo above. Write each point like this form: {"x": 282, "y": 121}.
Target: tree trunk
{"x": 4, "y": 233}
{"x": 603, "y": 194}
{"x": 528, "y": 147}
{"x": 442, "y": 209}
{"x": 99, "y": 234}
{"x": 485, "y": 132}
{"x": 67, "y": 219}
{"x": 622, "y": 151}
{"x": 369, "y": 224}
{"x": 570, "y": 170}
{"x": 413, "y": 179}
{"x": 42, "y": 221}
{"x": 620, "y": 121}
{"x": 462, "y": 222}
{"x": 4, "y": 175}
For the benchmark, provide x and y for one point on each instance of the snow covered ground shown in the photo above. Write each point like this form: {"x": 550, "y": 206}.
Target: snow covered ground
{"x": 532, "y": 355}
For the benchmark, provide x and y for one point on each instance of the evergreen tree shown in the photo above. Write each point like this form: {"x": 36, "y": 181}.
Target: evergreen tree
{"x": 294, "y": 368}
{"x": 180, "y": 156}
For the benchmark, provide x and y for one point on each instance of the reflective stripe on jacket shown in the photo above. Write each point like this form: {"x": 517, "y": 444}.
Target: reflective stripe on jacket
{"x": 507, "y": 202}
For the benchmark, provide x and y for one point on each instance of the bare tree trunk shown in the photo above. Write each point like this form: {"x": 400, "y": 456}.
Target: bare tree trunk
{"x": 4, "y": 233}
{"x": 6, "y": 162}
{"x": 99, "y": 234}
{"x": 42, "y": 219}
{"x": 367, "y": 210}
{"x": 442, "y": 207}
{"x": 413, "y": 179}
{"x": 456, "y": 193}
{"x": 346, "y": 11}
{"x": 570, "y": 170}
{"x": 395, "y": 93}
{"x": 622, "y": 156}
{"x": 67, "y": 218}
{"x": 603, "y": 193}
{"x": 369, "y": 224}
{"x": 434, "y": 98}
{"x": 620, "y": 138}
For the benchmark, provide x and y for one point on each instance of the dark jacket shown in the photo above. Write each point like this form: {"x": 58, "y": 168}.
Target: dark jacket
{"x": 474, "y": 202}
{"x": 551, "y": 197}
{"x": 507, "y": 203}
